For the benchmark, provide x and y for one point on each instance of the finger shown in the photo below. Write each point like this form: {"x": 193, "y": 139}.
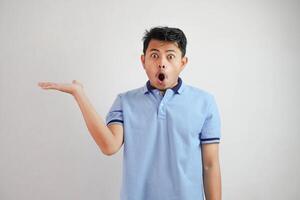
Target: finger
{"x": 44, "y": 83}
{"x": 48, "y": 85}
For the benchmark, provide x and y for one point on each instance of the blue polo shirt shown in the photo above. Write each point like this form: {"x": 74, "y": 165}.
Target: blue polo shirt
{"x": 163, "y": 134}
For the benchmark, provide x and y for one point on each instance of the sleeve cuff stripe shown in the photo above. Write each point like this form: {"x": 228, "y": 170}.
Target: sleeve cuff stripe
{"x": 209, "y": 139}
{"x": 114, "y": 120}
{"x": 210, "y": 142}
{"x": 117, "y": 111}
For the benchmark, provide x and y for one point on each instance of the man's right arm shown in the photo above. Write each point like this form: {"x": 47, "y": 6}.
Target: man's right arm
{"x": 108, "y": 138}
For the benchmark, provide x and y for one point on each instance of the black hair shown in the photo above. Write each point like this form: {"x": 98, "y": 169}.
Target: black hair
{"x": 165, "y": 33}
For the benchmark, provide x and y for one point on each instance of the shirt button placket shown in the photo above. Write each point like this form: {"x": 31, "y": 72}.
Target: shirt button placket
{"x": 161, "y": 111}
{"x": 162, "y": 107}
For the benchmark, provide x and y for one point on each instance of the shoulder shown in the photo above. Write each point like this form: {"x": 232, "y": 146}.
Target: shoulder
{"x": 132, "y": 93}
{"x": 198, "y": 92}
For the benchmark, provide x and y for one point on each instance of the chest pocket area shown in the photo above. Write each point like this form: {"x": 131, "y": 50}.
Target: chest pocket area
{"x": 187, "y": 122}
{"x": 140, "y": 119}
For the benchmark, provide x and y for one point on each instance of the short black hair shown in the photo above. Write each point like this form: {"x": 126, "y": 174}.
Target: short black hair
{"x": 165, "y": 33}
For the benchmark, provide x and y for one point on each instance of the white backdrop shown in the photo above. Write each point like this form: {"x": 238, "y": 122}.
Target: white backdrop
{"x": 244, "y": 52}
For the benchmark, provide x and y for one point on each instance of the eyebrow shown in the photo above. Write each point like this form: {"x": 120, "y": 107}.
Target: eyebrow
{"x": 169, "y": 50}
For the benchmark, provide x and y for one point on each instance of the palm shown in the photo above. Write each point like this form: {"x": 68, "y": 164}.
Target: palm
{"x": 63, "y": 87}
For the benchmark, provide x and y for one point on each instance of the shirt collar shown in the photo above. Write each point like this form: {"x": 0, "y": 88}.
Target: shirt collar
{"x": 177, "y": 88}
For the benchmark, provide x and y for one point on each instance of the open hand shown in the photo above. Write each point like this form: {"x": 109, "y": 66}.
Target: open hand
{"x": 70, "y": 88}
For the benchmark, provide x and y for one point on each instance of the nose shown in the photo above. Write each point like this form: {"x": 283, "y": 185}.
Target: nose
{"x": 162, "y": 62}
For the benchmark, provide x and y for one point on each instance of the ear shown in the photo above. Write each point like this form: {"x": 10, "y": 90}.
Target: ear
{"x": 184, "y": 61}
{"x": 143, "y": 60}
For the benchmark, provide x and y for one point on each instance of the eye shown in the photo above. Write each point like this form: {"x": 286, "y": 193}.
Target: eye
{"x": 154, "y": 55}
{"x": 171, "y": 56}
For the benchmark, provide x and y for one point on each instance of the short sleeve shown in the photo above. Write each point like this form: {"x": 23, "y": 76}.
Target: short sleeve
{"x": 211, "y": 130}
{"x": 115, "y": 114}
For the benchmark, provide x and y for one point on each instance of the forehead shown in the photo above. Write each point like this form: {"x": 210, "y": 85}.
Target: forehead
{"x": 162, "y": 45}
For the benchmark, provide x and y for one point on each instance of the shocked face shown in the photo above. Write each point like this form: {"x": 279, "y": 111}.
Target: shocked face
{"x": 163, "y": 63}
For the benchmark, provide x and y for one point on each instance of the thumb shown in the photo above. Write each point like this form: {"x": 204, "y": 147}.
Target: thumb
{"x": 77, "y": 83}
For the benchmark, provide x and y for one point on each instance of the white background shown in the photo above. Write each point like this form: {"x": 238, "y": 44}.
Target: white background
{"x": 246, "y": 53}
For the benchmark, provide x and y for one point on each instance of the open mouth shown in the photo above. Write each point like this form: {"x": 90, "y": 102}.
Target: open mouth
{"x": 161, "y": 77}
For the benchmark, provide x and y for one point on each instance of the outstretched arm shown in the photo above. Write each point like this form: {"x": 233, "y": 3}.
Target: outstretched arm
{"x": 108, "y": 138}
{"x": 211, "y": 171}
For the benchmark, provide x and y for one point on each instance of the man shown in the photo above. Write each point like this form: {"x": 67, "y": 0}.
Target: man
{"x": 170, "y": 130}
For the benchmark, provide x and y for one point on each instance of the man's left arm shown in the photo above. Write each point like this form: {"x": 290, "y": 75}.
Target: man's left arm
{"x": 211, "y": 171}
